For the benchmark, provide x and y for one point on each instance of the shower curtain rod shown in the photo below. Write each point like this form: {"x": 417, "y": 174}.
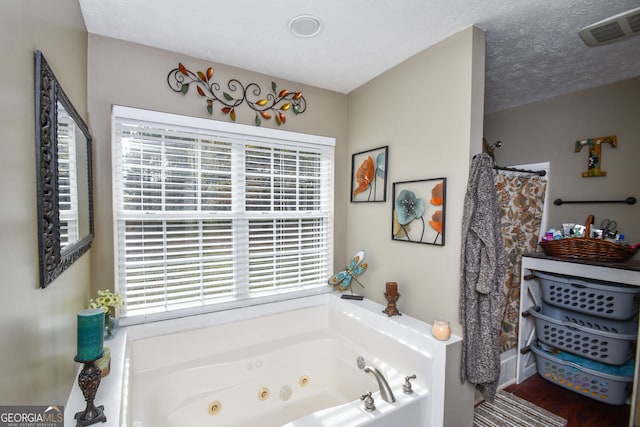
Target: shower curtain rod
{"x": 538, "y": 172}
{"x": 504, "y": 168}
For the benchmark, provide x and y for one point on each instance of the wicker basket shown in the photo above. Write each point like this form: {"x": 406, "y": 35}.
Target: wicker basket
{"x": 587, "y": 248}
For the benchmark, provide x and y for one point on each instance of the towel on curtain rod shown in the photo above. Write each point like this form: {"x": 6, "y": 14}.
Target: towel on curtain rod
{"x": 483, "y": 265}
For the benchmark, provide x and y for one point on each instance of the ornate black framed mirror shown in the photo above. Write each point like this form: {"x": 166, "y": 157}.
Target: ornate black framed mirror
{"x": 64, "y": 177}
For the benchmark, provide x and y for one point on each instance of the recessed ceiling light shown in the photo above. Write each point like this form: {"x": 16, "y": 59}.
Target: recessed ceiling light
{"x": 305, "y": 26}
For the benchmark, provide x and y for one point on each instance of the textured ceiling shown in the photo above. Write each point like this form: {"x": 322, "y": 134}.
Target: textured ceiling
{"x": 533, "y": 48}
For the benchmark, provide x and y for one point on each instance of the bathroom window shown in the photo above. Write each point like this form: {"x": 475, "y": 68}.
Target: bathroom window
{"x": 212, "y": 215}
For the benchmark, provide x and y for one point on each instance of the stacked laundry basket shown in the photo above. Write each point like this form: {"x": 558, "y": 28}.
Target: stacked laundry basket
{"x": 586, "y": 334}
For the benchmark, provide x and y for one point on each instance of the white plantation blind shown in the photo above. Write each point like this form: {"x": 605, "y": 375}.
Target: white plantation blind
{"x": 208, "y": 212}
{"x": 67, "y": 178}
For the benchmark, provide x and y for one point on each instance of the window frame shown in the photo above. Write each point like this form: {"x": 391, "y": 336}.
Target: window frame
{"x": 229, "y": 131}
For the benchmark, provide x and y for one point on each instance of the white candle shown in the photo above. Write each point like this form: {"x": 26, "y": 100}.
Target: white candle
{"x": 441, "y": 330}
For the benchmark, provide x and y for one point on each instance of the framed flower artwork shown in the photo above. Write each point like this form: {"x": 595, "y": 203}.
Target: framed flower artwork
{"x": 369, "y": 175}
{"x": 419, "y": 211}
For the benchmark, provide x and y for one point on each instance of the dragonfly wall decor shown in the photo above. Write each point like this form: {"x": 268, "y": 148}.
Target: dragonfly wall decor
{"x": 342, "y": 280}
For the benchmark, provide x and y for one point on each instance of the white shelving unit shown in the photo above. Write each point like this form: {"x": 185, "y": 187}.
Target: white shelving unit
{"x": 530, "y": 295}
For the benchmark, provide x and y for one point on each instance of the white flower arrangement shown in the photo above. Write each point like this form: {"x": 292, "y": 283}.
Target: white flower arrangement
{"x": 107, "y": 300}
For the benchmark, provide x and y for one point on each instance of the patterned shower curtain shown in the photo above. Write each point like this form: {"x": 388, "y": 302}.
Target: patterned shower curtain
{"x": 521, "y": 200}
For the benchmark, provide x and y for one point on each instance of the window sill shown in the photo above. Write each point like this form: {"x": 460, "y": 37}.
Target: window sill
{"x": 232, "y": 304}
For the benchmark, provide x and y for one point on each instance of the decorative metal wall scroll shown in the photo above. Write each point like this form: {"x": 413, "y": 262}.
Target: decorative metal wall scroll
{"x": 274, "y": 104}
{"x": 595, "y": 153}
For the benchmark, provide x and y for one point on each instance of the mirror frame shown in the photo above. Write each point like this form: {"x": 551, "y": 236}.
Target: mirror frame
{"x": 53, "y": 260}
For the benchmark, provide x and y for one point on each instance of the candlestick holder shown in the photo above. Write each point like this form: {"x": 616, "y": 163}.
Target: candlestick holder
{"x": 392, "y": 298}
{"x": 89, "y": 381}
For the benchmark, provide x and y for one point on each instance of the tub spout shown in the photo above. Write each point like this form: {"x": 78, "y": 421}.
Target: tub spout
{"x": 383, "y": 385}
{"x": 385, "y": 390}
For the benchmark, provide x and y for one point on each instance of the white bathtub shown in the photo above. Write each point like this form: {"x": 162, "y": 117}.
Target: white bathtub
{"x": 268, "y": 385}
{"x": 287, "y": 364}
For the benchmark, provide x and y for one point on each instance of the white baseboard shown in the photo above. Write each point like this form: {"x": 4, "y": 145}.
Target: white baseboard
{"x": 507, "y": 368}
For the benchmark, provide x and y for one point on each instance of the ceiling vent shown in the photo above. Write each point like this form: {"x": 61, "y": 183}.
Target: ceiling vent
{"x": 612, "y": 29}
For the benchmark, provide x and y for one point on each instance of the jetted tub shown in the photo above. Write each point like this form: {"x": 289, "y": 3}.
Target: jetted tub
{"x": 268, "y": 385}
{"x": 290, "y": 363}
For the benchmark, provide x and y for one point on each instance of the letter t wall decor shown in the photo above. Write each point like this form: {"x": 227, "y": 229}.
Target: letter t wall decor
{"x": 595, "y": 153}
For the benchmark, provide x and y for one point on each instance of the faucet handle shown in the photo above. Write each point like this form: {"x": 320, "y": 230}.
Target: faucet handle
{"x": 406, "y": 387}
{"x": 369, "y": 405}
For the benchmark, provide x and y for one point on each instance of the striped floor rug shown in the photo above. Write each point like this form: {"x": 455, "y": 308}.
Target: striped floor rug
{"x": 508, "y": 410}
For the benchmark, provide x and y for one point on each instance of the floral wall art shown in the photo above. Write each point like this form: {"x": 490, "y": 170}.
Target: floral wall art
{"x": 369, "y": 175}
{"x": 419, "y": 211}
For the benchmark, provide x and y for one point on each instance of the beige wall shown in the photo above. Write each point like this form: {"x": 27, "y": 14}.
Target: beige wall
{"x": 428, "y": 110}
{"x": 136, "y": 76}
{"x": 38, "y": 326}
{"x": 547, "y": 131}
{"x": 422, "y": 110}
